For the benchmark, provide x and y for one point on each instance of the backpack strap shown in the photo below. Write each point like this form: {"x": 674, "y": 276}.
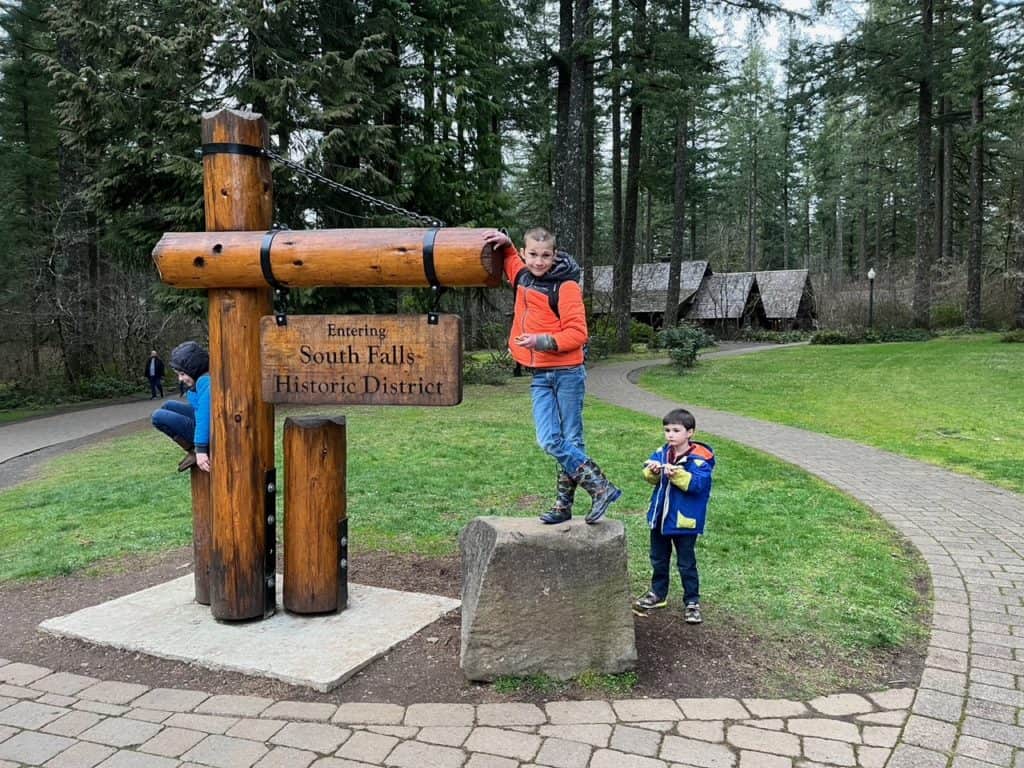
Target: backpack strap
{"x": 524, "y": 277}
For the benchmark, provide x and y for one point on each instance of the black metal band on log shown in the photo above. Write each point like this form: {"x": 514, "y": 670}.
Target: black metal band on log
{"x": 229, "y": 148}
{"x": 265, "y": 264}
{"x": 428, "y": 259}
{"x": 329, "y": 257}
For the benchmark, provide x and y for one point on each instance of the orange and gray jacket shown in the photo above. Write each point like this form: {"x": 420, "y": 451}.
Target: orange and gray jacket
{"x": 533, "y": 312}
{"x": 679, "y": 504}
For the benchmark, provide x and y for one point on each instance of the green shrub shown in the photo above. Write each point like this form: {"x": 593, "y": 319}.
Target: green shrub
{"x": 602, "y": 342}
{"x": 493, "y": 372}
{"x": 960, "y": 330}
{"x": 838, "y": 336}
{"x": 947, "y": 315}
{"x": 493, "y": 366}
{"x": 774, "y": 337}
{"x": 640, "y": 333}
{"x": 1013, "y": 337}
{"x": 903, "y": 334}
{"x": 52, "y": 391}
{"x": 869, "y": 335}
{"x": 683, "y": 342}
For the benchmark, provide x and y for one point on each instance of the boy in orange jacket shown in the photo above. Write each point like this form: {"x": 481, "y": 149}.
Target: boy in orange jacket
{"x": 549, "y": 330}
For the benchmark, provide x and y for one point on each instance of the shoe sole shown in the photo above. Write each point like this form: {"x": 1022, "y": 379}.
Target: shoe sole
{"x": 590, "y": 519}
{"x": 554, "y": 522}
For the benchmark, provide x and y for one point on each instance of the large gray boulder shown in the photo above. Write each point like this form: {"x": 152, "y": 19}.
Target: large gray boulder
{"x": 544, "y": 599}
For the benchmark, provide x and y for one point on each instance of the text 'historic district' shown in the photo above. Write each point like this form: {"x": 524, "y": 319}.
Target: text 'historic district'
{"x": 362, "y": 360}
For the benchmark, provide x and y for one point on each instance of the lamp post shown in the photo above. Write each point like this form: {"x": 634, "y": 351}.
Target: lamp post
{"x": 871, "y": 297}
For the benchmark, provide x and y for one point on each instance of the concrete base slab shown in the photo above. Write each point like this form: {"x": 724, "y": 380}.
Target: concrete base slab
{"x": 320, "y": 652}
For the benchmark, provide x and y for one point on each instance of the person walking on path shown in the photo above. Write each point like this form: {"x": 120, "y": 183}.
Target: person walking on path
{"x": 188, "y": 423}
{"x": 548, "y": 334}
{"x": 680, "y": 471}
{"x": 155, "y": 374}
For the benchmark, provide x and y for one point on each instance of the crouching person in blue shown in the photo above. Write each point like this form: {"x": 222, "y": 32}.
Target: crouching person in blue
{"x": 680, "y": 472}
{"x": 188, "y": 423}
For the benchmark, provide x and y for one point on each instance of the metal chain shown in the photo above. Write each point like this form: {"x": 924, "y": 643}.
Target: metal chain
{"x": 429, "y": 221}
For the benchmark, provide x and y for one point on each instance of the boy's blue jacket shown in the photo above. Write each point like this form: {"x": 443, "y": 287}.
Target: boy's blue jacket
{"x": 679, "y": 506}
{"x": 199, "y": 399}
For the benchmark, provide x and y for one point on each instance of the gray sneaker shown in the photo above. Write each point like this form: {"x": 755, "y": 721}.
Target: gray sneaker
{"x": 691, "y": 614}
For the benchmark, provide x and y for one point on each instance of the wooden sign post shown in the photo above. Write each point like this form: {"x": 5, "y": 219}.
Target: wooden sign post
{"x": 238, "y": 196}
{"x": 237, "y": 259}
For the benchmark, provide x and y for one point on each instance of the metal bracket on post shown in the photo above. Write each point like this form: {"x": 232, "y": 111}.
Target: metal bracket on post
{"x": 280, "y": 289}
{"x": 342, "y": 564}
{"x": 270, "y": 562}
{"x": 428, "y": 269}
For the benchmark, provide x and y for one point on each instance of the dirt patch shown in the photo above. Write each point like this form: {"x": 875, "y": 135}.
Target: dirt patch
{"x": 717, "y": 658}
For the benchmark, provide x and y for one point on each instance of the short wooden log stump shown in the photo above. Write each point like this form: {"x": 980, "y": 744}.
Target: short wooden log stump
{"x": 540, "y": 599}
{"x": 202, "y": 531}
{"x": 315, "y": 515}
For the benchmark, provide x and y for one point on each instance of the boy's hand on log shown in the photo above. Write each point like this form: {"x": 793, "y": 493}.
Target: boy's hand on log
{"x": 496, "y": 239}
{"x": 652, "y": 466}
{"x": 203, "y": 461}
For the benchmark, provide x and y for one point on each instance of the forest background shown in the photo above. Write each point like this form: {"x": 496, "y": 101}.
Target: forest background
{"x": 639, "y": 130}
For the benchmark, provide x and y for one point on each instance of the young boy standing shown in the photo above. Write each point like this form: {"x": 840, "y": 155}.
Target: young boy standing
{"x": 549, "y": 330}
{"x": 680, "y": 472}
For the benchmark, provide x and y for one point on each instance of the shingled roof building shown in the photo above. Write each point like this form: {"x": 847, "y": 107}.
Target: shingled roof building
{"x": 650, "y": 288}
{"x": 728, "y": 299}
{"x": 787, "y": 297}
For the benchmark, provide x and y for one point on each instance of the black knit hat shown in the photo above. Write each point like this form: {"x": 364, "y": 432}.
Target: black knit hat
{"x": 191, "y": 359}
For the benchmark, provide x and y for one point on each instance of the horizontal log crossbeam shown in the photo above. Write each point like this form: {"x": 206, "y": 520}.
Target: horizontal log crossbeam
{"x": 327, "y": 257}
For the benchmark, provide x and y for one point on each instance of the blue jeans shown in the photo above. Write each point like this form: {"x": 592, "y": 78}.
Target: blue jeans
{"x": 686, "y": 560}
{"x": 176, "y": 420}
{"x": 558, "y": 414}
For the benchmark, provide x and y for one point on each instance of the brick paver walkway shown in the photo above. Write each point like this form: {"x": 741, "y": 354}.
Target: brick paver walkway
{"x": 966, "y": 713}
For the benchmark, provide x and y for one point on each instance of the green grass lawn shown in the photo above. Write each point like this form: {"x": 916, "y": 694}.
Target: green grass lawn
{"x": 783, "y": 552}
{"x": 954, "y": 401}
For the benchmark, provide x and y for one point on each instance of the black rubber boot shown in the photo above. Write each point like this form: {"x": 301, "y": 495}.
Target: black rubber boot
{"x": 565, "y": 494}
{"x": 602, "y": 492}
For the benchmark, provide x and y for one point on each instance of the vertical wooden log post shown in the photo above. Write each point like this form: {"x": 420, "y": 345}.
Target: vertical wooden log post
{"x": 201, "y": 525}
{"x": 315, "y": 515}
{"x": 238, "y": 196}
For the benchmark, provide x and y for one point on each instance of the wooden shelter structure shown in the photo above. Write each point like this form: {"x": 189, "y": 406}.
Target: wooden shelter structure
{"x": 788, "y": 298}
{"x": 650, "y": 288}
{"x": 728, "y": 301}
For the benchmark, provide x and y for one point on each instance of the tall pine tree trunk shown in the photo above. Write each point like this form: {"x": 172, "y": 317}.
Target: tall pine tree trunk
{"x": 586, "y": 253}
{"x": 972, "y": 315}
{"x": 568, "y": 209}
{"x": 752, "y": 212}
{"x": 621, "y": 300}
{"x": 862, "y": 240}
{"x": 563, "y": 67}
{"x": 1018, "y": 315}
{"x": 948, "y": 187}
{"x": 924, "y": 224}
{"x": 616, "y": 104}
{"x": 680, "y": 169}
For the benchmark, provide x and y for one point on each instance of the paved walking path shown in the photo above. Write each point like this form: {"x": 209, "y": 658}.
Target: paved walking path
{"x": 31, "y": 435}
{"x": 966, "y": 713}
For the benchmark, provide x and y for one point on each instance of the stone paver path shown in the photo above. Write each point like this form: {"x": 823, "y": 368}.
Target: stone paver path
{"x": 966, "y": 713}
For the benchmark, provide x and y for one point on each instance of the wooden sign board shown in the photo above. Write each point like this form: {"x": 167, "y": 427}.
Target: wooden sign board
{"x": 362, "y": 360}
